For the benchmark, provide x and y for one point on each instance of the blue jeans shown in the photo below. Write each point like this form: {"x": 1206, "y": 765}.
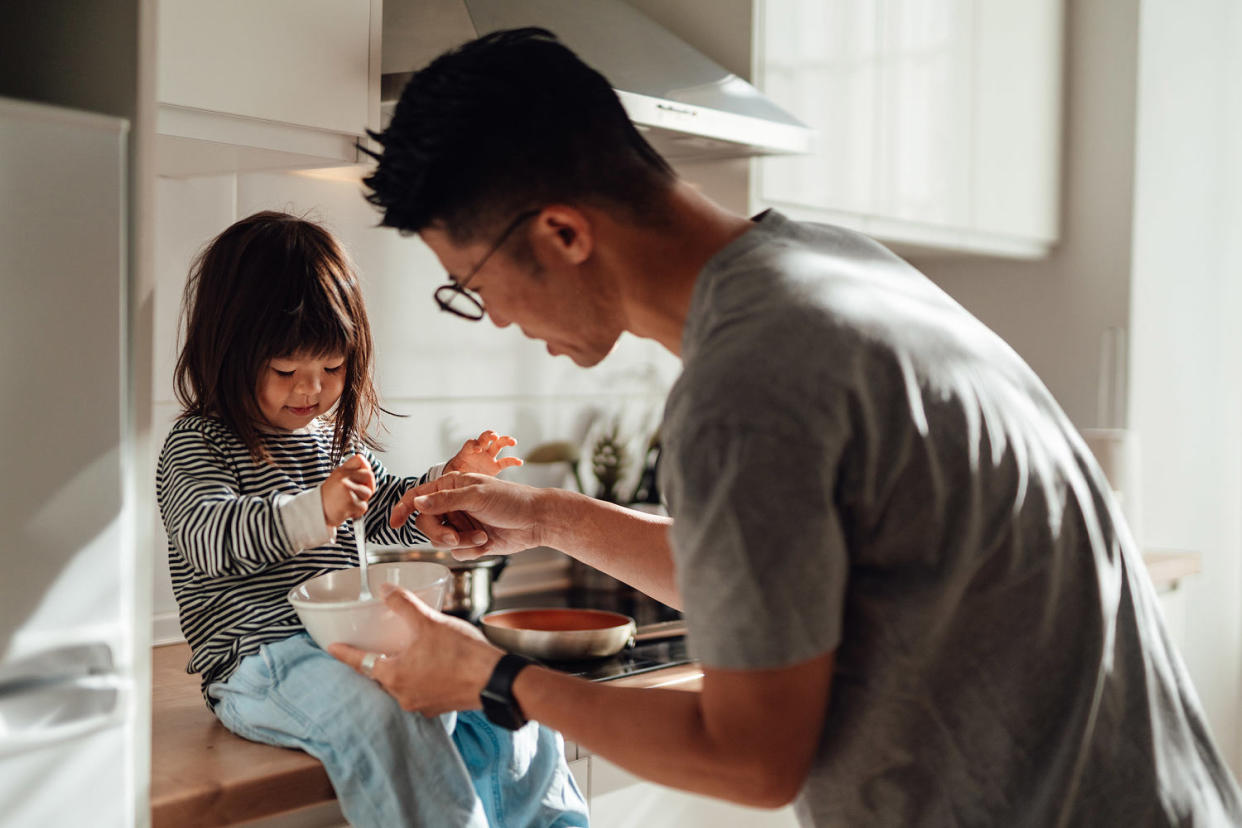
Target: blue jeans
{"x": 392, "y": 768}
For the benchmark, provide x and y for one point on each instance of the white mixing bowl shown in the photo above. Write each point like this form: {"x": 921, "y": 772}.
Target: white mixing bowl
{"x": 329, "y": 608}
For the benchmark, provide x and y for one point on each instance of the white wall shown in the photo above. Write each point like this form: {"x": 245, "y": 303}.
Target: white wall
{"x": 1186, "y": 392}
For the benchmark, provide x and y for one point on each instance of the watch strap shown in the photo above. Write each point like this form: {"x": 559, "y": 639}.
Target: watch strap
{"x": 499, "y": 704}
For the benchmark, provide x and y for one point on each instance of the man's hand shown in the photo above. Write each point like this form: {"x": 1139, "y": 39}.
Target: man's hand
{"x": 507, "y": 514}
{"x": 347, "y": 490}
{"x": 445, "y": 666}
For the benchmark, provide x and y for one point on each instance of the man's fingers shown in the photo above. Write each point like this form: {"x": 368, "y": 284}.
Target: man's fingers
{"x": 347, "y": 653}
{"x": 441, "y": 536}
{"x": 448, "y": 500}
{"x": 405, "y": 604}
{"x": 405, "y": 506}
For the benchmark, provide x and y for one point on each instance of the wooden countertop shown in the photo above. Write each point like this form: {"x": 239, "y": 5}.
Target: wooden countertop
{"x": 203, "y": 775}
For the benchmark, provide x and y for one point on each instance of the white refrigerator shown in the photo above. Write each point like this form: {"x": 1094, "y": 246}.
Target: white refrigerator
{"x": 68, "y": 701}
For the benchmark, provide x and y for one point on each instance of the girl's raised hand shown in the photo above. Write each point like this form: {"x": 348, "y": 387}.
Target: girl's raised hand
{"x": 347, "y": 490}
{"x": 481, "y": 456}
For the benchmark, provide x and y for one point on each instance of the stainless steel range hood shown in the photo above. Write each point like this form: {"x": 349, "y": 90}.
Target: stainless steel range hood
{"x": 686, "y": 105}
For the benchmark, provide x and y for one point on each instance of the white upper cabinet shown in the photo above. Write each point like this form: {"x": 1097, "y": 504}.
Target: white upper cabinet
{"x": 276, "y": 84}
{"x": 939, "y": 121}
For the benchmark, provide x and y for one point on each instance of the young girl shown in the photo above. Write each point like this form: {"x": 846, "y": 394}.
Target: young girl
{"x": 275, "y": 381}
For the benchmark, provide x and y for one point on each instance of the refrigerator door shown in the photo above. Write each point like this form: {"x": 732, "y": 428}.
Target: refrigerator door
{"x": 66, "y": 588}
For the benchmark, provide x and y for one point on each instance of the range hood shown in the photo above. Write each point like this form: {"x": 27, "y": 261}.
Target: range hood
{"x": 686, "y": 105}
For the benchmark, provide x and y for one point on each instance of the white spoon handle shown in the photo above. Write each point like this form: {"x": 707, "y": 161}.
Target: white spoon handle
{"x": 360, "y": 540}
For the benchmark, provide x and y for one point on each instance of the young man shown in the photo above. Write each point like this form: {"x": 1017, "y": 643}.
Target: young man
{"x": 914, "y": 600}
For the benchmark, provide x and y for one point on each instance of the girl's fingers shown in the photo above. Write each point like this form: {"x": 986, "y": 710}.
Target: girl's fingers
{"x": 508, "y": 462}
{"x": 498, "y": 444}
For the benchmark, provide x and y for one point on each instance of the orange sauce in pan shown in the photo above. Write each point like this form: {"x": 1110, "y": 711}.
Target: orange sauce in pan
{"x": 555, "y": 620}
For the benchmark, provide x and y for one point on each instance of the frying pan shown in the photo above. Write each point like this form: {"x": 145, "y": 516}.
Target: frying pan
{"x": 559, "y": 634}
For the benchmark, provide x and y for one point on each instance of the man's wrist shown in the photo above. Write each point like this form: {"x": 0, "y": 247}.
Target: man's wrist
{"x": 498, "y": 699}
{"x": 554, "y": 513}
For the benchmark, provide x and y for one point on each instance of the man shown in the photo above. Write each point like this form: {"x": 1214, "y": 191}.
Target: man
{"x": 914, "y": 600}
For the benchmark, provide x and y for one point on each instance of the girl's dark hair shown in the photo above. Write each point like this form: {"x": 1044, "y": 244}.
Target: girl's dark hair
{"x": 507, "y": 122}
{"x": 272, "y": 285}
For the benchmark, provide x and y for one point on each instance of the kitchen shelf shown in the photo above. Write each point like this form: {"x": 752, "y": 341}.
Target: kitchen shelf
{"x": 1167, "y": 567}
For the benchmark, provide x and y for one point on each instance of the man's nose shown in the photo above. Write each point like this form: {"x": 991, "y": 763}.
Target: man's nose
{"x": 497, "y": 320}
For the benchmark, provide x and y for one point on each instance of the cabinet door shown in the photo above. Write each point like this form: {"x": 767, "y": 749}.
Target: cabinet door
{"x": 1017, "y": 140}
{"x": 938, "y": 120}
{"x": 923, "y": 109}
{"x": 821, "y": 60}
{"x": 300, "y": 62}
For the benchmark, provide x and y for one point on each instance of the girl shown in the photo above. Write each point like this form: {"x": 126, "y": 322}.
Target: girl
{"x": 275, "y": 381}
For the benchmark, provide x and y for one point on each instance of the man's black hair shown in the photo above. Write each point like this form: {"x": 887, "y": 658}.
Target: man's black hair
{"x": 507, "y": 122}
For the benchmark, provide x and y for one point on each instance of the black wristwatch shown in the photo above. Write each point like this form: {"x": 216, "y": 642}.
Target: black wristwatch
{"x": 498, "y": 703}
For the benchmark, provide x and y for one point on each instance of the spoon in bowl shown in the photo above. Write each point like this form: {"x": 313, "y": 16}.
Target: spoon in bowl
{"x": 360, "y": 540}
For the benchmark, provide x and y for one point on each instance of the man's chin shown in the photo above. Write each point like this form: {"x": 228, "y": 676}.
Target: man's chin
{"x": 584, "y": 356}
{"x": 586, "y": 361}
{"x": 583, "y": 359}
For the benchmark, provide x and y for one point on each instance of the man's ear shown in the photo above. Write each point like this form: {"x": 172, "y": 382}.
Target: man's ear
{"x": 564, "y": 233}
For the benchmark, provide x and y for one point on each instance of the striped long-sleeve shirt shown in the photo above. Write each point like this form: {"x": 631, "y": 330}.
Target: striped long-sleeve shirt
{"x": 242, "y": 533}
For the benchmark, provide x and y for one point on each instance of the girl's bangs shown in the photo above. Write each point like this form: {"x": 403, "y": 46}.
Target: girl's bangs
{"x": 321, "y": 320}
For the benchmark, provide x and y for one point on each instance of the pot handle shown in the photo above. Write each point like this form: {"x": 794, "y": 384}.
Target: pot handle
{"x": 500, "y": 567}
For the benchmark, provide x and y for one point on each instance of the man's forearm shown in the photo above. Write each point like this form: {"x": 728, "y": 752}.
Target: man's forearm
{"x": 629, "y": 545}
{"x": 659, "y": 735}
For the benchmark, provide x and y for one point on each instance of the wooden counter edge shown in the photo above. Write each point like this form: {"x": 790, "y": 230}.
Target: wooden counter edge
{"x": 262, "y": 796}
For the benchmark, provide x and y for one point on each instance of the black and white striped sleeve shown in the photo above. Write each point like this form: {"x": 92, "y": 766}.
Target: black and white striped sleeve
{"x": 388, "y": 490}
{"x": 217, "y": 530}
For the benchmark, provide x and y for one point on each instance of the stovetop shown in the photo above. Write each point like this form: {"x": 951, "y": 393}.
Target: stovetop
{"x": 651, "y": 655}
{"x": 642, "y": 658}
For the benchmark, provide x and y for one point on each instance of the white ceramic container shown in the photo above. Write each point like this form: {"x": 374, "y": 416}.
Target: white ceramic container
{"x": 329, "y": 607}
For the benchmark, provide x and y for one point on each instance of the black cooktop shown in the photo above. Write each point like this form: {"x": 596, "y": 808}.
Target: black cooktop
{"x": 650, "y": 655}
{"x": 647, "y": 656}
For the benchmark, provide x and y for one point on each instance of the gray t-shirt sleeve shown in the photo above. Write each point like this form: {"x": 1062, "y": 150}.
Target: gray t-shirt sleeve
{"x": 761, "y": 559}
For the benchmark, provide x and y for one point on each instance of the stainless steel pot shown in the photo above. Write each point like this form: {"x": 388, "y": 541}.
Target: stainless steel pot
{"x": 470, "y": 592}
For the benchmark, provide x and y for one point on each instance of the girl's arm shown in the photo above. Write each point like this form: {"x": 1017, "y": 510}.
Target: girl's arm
{"x": 219, "y": 531}
{"x": 388, "y": 490}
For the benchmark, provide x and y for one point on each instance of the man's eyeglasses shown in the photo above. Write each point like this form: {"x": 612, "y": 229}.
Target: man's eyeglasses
{"x": 455, "y": 298}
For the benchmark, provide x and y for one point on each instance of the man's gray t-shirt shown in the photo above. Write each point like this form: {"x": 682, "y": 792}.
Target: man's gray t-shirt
{"x": 855, "y": 463}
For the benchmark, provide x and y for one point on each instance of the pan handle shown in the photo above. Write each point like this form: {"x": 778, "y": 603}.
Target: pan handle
{"x": 662, "y": 629}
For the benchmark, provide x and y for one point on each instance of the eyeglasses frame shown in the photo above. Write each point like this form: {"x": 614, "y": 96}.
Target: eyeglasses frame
{"x": 445, "y": 294}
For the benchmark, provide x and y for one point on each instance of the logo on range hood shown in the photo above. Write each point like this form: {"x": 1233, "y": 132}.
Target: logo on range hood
{"x": 686, "y": 105}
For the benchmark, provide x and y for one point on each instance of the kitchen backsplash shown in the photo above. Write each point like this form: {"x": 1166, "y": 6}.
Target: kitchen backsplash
{"x": 450, "y": 378}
